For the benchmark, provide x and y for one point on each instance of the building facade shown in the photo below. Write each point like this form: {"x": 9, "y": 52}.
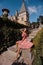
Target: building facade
{"x": 22, "y": 16}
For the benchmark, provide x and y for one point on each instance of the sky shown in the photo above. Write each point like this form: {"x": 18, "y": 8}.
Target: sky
{"x": 35, "y": 7}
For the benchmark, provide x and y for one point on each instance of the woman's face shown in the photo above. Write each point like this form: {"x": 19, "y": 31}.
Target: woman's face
{"x": 23, "y": 30}
{"x": 24, "y": 33}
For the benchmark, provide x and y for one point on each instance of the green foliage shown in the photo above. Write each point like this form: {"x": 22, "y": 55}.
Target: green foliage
{"x": 38, "y": 38}
{"x": 8, "y": 35}
{"x": 37, "y": 61}
{"x": 38, "y": 42}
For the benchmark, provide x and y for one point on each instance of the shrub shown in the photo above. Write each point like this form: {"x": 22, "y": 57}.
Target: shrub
{"x": 38, "y": 42}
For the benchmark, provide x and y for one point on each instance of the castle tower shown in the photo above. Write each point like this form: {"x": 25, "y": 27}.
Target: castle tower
{"x": 23, "y": 17}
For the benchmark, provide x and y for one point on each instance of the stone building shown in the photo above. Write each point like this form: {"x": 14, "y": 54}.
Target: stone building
{"x": 22, "y": 17}
{"x": 40, "y": 20}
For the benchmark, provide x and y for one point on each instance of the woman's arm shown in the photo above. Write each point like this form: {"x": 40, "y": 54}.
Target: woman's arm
{"x": 18, "y": 50}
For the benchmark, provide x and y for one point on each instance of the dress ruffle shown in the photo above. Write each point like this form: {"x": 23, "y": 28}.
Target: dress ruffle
{"x": 25, "y": 44}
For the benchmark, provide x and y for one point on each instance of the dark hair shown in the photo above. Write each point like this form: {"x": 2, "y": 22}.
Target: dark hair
{"x": 27, "y": 31}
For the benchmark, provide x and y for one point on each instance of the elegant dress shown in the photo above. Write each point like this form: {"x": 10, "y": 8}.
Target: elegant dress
{"x": 25, "y": 45}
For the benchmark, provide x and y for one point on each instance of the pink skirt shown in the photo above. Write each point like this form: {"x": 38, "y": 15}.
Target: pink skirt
{"x": 25, "y": 44}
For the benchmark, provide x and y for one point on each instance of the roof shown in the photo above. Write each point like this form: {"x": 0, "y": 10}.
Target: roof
{"x": 23, "y": 8}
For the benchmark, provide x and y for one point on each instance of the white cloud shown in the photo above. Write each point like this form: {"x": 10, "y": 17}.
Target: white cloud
{"x": 34, "y": 9}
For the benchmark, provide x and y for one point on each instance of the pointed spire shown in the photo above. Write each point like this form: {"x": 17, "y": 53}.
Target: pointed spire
{"x": 23, "y": 8}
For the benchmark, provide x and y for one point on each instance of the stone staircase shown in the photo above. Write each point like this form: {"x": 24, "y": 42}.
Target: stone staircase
{"x": 33, "y": 33}
{"x": 31, "y": 36}
{"x": 7, "y": 58}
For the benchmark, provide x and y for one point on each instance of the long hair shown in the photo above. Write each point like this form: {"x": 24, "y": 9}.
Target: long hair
{"x": 27, "y": 30}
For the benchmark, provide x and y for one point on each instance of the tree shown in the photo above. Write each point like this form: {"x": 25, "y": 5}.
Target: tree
{"x": 8, "y": 33}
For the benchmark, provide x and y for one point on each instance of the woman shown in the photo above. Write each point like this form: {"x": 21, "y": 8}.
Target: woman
{"x": 25, "y": 46}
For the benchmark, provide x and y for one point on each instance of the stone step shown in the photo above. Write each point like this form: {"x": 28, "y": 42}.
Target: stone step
{"x": 7, "y": 58}
{"x": 13, "y": 48}
{"x": 33, "y": 34}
